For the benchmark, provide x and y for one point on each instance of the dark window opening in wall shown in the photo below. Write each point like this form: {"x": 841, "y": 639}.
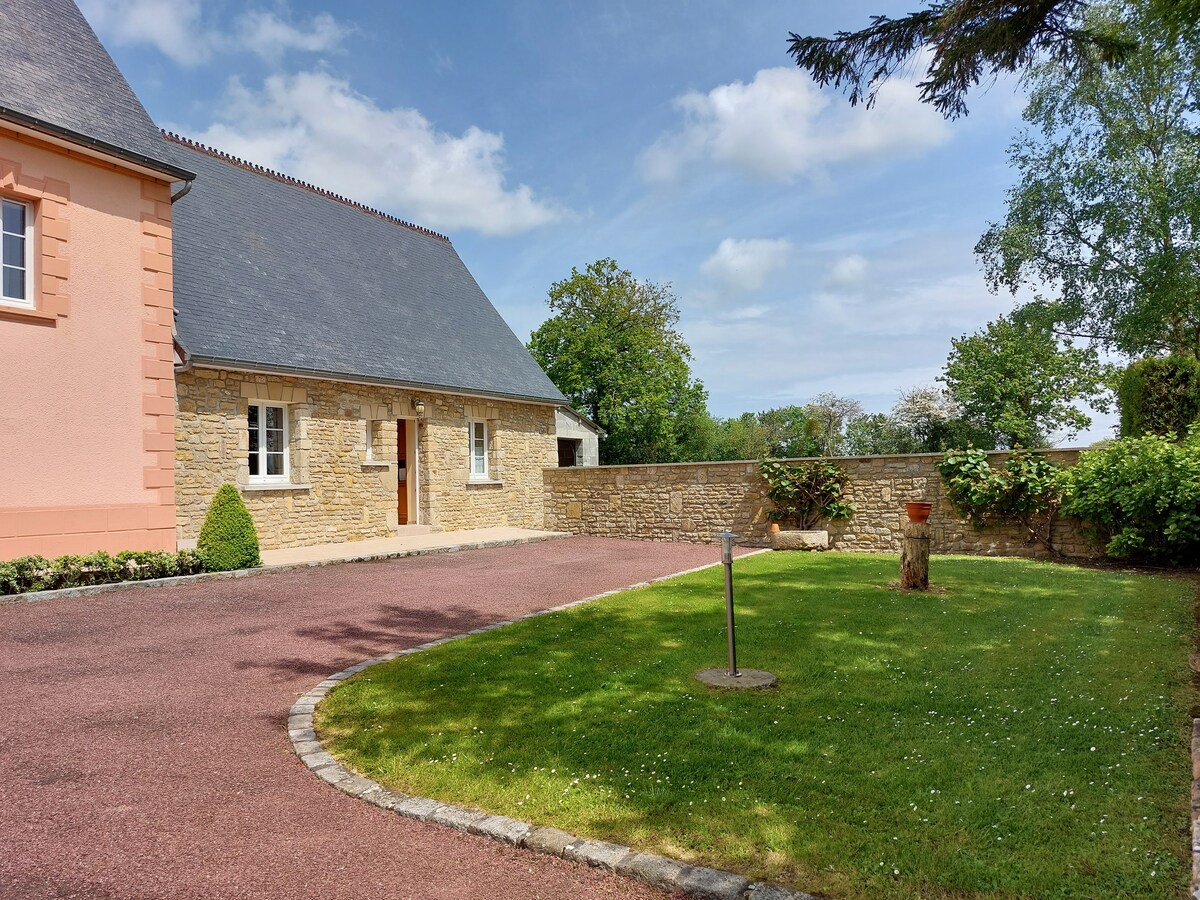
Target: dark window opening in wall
{"x": 569, "y": 452}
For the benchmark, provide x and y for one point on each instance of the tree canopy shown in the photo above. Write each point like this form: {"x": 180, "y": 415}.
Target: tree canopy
{"x": 1019, "y": 384}
{"x": 831, "y": 413}
{"x": 786, "y": 432}
{"x": 611, "y": 346}
{"x": 972, "y": 41}
{"x": 1106, "y": 209}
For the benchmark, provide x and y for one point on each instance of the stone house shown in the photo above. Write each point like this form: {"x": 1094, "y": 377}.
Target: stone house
{"x": 343, "y": 368}
{"x": 340, "y": 366}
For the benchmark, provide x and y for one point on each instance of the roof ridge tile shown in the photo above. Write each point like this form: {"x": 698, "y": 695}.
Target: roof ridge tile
{"x": 296, "y": 182}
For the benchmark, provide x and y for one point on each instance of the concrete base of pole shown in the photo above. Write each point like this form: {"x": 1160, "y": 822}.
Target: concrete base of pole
{"x": 746, "y": 678}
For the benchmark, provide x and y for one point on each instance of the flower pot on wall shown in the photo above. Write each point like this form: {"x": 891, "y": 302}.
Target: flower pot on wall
{"x": 918, "y": 511}
{"x": 773, "y": 528}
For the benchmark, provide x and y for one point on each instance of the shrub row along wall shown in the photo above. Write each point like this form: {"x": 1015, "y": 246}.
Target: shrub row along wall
{"x": 694, "y": 501}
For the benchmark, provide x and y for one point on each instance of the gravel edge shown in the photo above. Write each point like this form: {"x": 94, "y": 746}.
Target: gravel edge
{"x": 122, "y": 586}
{"x": 657, "y": 871}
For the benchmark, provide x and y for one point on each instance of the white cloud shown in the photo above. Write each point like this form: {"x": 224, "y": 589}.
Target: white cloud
{"x": 781, "y": 125}
{"x": 172, "y": 26}
{"x": 847, "y": 271}
{"x": 743, "y": 266}
{"x": 178, "y": 30}
{"x": 315, "y": 127}
{"x": 748, "y": 313}
{"x": 270, "y": 36}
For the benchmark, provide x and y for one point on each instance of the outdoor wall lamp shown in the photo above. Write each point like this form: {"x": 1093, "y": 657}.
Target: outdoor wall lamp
{"x": 419, "y": 406}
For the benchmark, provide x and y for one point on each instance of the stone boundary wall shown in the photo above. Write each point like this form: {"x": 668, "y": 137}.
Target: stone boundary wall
{"x": 694, "y": 501}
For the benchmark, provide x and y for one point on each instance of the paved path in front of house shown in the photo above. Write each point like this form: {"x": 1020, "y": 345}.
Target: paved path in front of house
{"x": 413, "y": 539}
{"x": 143, "y": 747}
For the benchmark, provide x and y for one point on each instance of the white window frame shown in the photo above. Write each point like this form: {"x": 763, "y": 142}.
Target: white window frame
{"x": 475, "y": 427}
{"x": 370, "y": 423}
{"x": 26, "y": 302}
{"x": 262, "y": 477}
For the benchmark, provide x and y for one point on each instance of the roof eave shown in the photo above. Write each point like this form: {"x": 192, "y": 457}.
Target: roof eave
{"x": 213, "y": 362}
{"x": 129, "y": 156}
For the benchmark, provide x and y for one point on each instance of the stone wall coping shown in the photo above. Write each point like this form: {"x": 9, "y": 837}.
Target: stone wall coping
{"x": 1054, "y": 451}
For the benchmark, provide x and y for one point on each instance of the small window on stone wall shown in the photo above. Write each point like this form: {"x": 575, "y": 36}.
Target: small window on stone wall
{"x": 375, "y": 440}
{"x": 477, "y": 432}
{"x": 268, "y": 452}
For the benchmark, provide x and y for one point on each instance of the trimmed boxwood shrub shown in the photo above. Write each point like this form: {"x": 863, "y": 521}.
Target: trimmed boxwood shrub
{"x": 228, "y": 539}
{"x": 1160, "y": 396}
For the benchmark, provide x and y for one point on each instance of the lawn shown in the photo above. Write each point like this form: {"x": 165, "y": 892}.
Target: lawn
{"x": 1023, "y": 734}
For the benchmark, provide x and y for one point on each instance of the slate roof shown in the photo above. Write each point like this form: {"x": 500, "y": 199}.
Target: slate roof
{"x": 56, "y": 77}
{"x": 277, "y": 275}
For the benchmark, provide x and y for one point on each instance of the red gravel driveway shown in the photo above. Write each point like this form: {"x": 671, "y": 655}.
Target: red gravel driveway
{"x": 143, "y": 741}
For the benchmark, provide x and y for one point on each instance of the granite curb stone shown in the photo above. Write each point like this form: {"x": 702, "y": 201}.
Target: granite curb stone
{"x": 656, "y": 871}
{"x": 596, "y": 853}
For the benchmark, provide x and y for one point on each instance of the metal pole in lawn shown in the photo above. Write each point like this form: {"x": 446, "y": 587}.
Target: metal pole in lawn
{"x": 732, "y": 678}
{"x": 727, "y": 559}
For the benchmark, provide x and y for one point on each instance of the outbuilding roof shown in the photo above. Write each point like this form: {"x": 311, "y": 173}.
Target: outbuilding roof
{"x": 57, "y": 78}
{"x": 272, "y": 274}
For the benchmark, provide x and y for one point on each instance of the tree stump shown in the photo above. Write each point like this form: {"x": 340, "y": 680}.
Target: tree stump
{"x": 914, "y": 558}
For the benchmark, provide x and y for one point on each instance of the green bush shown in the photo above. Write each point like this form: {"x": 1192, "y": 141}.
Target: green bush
{"x": 1160, "y": 396}
{"x": 805, "y": 493}
{"x": 36, "y": 573}
{"x": 1026, "y": 492}
{"x": 140, "y": 565}
{"x": 228, "y": 540}
{"x": 1140, "y": 497}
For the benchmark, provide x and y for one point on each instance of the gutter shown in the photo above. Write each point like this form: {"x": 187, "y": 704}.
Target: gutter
{"x": 104, "y": 147}
{"x": 212, "y": 362}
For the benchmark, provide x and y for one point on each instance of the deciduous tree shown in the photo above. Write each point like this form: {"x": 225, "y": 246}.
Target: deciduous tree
{"x": 612, "y": 347}
{"x": 1106, "y": 209}
{"x": 1020, "y": 384}
{"x": 832, "y": 412}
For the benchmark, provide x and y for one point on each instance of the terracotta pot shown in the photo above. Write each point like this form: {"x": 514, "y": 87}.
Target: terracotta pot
{"x": 918, "y": 511}
{"x": 773, "y": 527}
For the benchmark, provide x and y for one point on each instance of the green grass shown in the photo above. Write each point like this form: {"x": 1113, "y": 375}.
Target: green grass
{"x": 1023, "y": 734}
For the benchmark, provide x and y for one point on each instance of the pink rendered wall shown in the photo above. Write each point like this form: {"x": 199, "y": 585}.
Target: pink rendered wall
{"x": 86, "y": 386}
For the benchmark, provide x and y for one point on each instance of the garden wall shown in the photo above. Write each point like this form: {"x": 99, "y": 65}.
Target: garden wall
{"x": 694, "y": 501}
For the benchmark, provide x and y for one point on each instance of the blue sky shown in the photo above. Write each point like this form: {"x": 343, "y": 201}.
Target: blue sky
{"x": 813, "y": 247}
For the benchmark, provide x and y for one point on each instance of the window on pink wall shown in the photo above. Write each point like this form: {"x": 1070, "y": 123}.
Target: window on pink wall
{"x": 16, "y": 280}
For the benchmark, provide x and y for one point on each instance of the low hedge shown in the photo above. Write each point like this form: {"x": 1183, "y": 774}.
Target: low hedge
{"x": 36, "y": 573}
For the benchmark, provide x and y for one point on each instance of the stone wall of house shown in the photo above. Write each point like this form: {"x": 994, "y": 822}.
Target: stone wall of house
{"x": 694, "y": 501}
{"x": 342, "y": 452}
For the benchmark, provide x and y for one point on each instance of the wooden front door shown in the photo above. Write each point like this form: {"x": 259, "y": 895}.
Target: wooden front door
{"x": 402, "y": 471}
